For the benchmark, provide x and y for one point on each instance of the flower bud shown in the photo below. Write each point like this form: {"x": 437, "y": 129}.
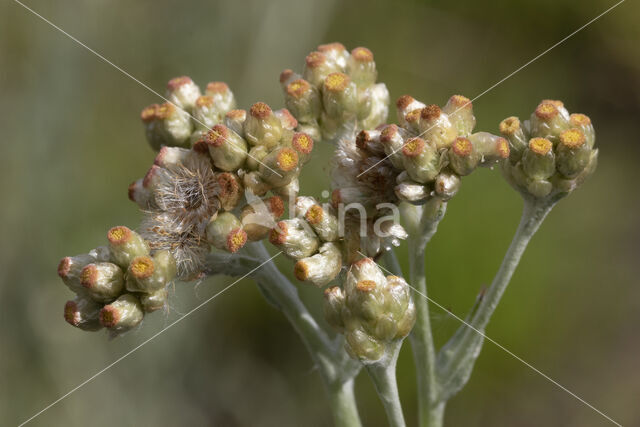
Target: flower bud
{"x": 317, "y": 68}
{"x": 322, "y": 267}
{"x": 334, "y": 302}
{"x": 372, "y": 310}
{"x": 172, "y": 157}
{"x": 490, "y": 148}
{"x": 229, "y": 190}
{"x": 146, "y": 274}
{"x": 511, "y": 129}
{"x": 447, "y": 185}
{"x": 235, "y": 119}
{"x": 436, "y": 127}
{"x": 70, "y": 269}
{"x": 369, "y": 141}
{"x": 463, "y": 159}
{"x": 303, "y": 100}
{"x": 361, "y": 67}
{"x": 420, "y": 160}
{"x": 225, "y": 232}
{"x": 583, "y": 123}
{"x": 183, "y": 92}
{"x": 125, "y": 245}
{"x": 253, "y": 182}
{"x": 103, "y": 281}
{"x": 279, "y": 167}
{"x": 222, "y": 96}
{"x": 123, "y": 314}
{"x": 311, "y": 129}
{"x": 339, "y": 96}
{"x": 256, "y": 155}
{"x": 287, "y": 120}
{"x": 411, "y": 191}
{"x": 288, "y": 192}
{"x": 406, "y": 105}
{"x": 573, "y": 154}
{"x": 154, "y": 301}
{"x": 205, "y": 113}
{"x": 227, "y": 149}
{"x": 287, "y": 76}
{"x": 294, "y": 238}
{"x": 83, "y": 313}
{"x": 323, "y": 222}
{"x": 302, "y": 143}
{"x": 166, "y": 125}
{"x": 392, "y": 140}
{"x": 377, "y": 107}
{"x": 336, "y": 54}
{"x": 259, "y": 218}
{"x": 262, "y": 126}
{"x": 140, "y": 195}
{"x": 548, "y": 120}
{"x": 460, "y": 111}
{"x": 538, "y": 161}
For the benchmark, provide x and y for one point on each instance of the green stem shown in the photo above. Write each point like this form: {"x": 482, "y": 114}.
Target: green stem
{"x": 335, "y": 366}
{"x": 458, "y": 356}
{"x": 383, "y": 375}
{"x": 430, "y": 408}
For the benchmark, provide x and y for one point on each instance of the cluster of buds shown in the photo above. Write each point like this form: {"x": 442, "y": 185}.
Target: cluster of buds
{"x": 552, "y": 153}
{"x": 116, "y": 285}
{"x": 336, "y": 88}
{"x": 311, "y": 238}
{"x": 194, "y": 197}
{"x": 371, "y": 310}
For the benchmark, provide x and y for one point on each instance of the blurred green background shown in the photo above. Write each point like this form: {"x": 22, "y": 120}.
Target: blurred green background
{"x": 71, "y": 142}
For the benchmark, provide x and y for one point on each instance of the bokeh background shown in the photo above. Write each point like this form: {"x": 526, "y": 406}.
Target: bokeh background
{"x": 71, "y": 142}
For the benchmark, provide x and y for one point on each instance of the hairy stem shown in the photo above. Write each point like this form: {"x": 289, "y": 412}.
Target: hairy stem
{"x": 336, "y": 368}
{"x": 383, "y": 375}
{"x": 422, "y": 228}
{"x": 458, "y": 356}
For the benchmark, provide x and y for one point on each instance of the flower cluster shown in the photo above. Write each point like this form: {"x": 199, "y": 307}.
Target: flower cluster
{"x": 552, "y": 153}
{"x": 336, "y": 88}
{"x": 116, "y": 285}
{"x": 371, "y": 310}
{"x": 312, "y": 239}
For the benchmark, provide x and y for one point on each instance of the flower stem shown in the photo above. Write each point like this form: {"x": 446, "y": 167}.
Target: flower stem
{"x": 335, "y": 366}
{"x": 458, "y": 356}
{"x": 430, "y": 408}
{"x": 383, "y": 375}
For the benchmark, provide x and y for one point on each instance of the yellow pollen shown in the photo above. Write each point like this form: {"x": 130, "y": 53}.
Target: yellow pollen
{"x": 118, "y": 234}
{"x": 217, "y": 87}
{"x": 88, "y": 275}
{"x": 237, "y": 238}
{"x": 314, "y": 214}
{"x": 297, "y": 88}
{"x": 303, "y": 143}
{"x": 142, "y": 267}
{"x": 460, "y": 101}
{"x": 204, "y": 101}
{"x": 546, "y": 110}
{"x": 287, "y": 159}
{"x": 362, "y": 54}
{"x": 462, "y": 147}
{"x": 572, "y": 138}
{"x": 509, "y": 126}
{"x": 336, "y": 82}
{"x": 413, "y": 147}
{"x": 577, "y": 119}
{"x": 149, "y": 113}
{"x": 413, "y": 116}
{"x": 366, "y": 285}
{"x": 541, "y": 146}
{"x": 109, "y": 316}
{"x": 260, "y": 110}
{"x": 314, "y": 59}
